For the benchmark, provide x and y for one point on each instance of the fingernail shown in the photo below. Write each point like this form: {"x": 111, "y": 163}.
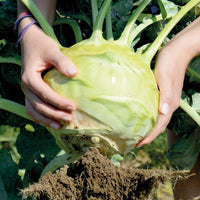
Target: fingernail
{"x": 54, "y": 126}
{"x": 165, "y": 109}
{"x": 71, "y": 70}
{"x": 67, "y": 118}
{"x": 139, "y": 145}
{"x": 71, "y": 108}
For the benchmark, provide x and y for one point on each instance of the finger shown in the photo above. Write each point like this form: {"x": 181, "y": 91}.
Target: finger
{"x": 46, "y": 109}
{"x": 62, "y": 63}
{"x": 170, "y": 89}
{"x": 162, "y": 123}
{"x": 166, "y": 109}
{"x": 40, "y": 119}
{"x": 45, "y": 93}
{"x": 169, "y": 99}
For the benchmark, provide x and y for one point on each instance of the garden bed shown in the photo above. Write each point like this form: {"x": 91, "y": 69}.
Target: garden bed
{"x": 95, "y": 177}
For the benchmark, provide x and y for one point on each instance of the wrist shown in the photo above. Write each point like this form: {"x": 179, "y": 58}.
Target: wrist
{"x": 24, "y": 27}
{"x": 24, "y": 22}
{"x": 183, "y": 49}
{"x": 32, "y": 30}
{"x": 20, "y": 18}
{"x": 186, "y": 43}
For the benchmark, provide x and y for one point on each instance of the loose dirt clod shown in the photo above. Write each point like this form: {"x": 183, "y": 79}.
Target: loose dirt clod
{"x": 95, "y": 177}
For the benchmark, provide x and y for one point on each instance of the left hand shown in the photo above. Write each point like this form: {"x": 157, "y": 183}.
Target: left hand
{"x": 171, "y": 64}
{"x": 169, "y": 72}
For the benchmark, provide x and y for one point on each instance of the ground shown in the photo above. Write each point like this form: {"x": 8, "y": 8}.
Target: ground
{"x": 95, "y": 177}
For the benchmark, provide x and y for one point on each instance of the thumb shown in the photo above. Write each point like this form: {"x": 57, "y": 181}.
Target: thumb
{"x": 63, "y": 64}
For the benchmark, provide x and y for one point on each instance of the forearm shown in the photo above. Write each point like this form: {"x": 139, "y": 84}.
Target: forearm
{"x": 187, "y": 43}
{"x": 47, "y": 7}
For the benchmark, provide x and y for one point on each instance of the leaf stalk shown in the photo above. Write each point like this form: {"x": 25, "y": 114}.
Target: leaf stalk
{"x": 97, "y": 28}
{"x": 126, "y": 34}
{"x": 152, "y": 50}
{"x": 14, "y": 107}
{"x": 190, "y": 111}
{"x": 94, "y": 11}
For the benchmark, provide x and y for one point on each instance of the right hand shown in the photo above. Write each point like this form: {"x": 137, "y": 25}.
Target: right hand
{"x": 39, "y": 53}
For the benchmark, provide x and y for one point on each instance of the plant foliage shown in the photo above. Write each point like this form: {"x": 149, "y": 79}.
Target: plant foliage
{"x": 29, "y": 148}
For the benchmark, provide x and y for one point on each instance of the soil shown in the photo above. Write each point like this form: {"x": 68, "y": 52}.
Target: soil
{"x": 95, "y": 177}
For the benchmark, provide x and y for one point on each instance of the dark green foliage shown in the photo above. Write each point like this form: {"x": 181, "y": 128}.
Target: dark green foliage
{"x": 38, "y": 147}
{"x": 120, "y": 14}
{"x": 28, "y": 143}
{"x": 180, "y": 2}
{"x": 10, "y": 182}
{"x": 8, "y": 15}
{"x": 183, "y": 154}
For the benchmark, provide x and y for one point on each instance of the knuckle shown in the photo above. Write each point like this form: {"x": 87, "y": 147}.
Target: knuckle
{"x": 176, "y": 103}
{"x": 168, "y": 99}
{"x": 37, "y": 107}
{"x": 23, "y": 88}
{"x": 162, "y": 129}
{"x": 44, "y": 96}
{"x": 53, "y": 52}
{"x": 24, "y": 80}
{"x": 30, "y": 112}
{"x": 54, "y": 55}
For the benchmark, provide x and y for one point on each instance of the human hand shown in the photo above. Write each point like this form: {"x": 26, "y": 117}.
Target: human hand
{"x": 39, "y": 53}
{"x": 169, "y": 73}
{"x": 171, "y": 64}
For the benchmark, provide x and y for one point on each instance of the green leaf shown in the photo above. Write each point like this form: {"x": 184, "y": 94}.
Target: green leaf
{"x": 3, "y": 193}
{"x": 9, "y": 178}
{"x": 28, "y": 143}
{"x": 181, "y": 2}
{"x": 120, "y": 11}
{"x": 196, "y": 102}
{"x": 116, "y": 159}
{"x": 8, "y": 13}
{"x": 36, "y": 147}
{"x": 184, "y": 152}
{"x": 170, "y": 7}
{"x": 193, "y": 70}
{"x": 162, "y": 9}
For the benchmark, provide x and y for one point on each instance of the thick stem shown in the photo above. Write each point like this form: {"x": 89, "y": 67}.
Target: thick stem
{"x": 14, "y": 107}
{"x": 73, "y": 24}
{"x": 142, "y": 26}
{"x": 126, "y": 34}
{"x": 151, "y": 51}
{"x": 97, "y": 28}
{"x": 12, "y": 60}
{"x": 109, "y": 32}
{"x": 60, "y": 161}
{"x": 190, "y": 111}
{"x": 194, "y": 76}
{"x": 41, "y": 19}
{"x": 94, "y": 11}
